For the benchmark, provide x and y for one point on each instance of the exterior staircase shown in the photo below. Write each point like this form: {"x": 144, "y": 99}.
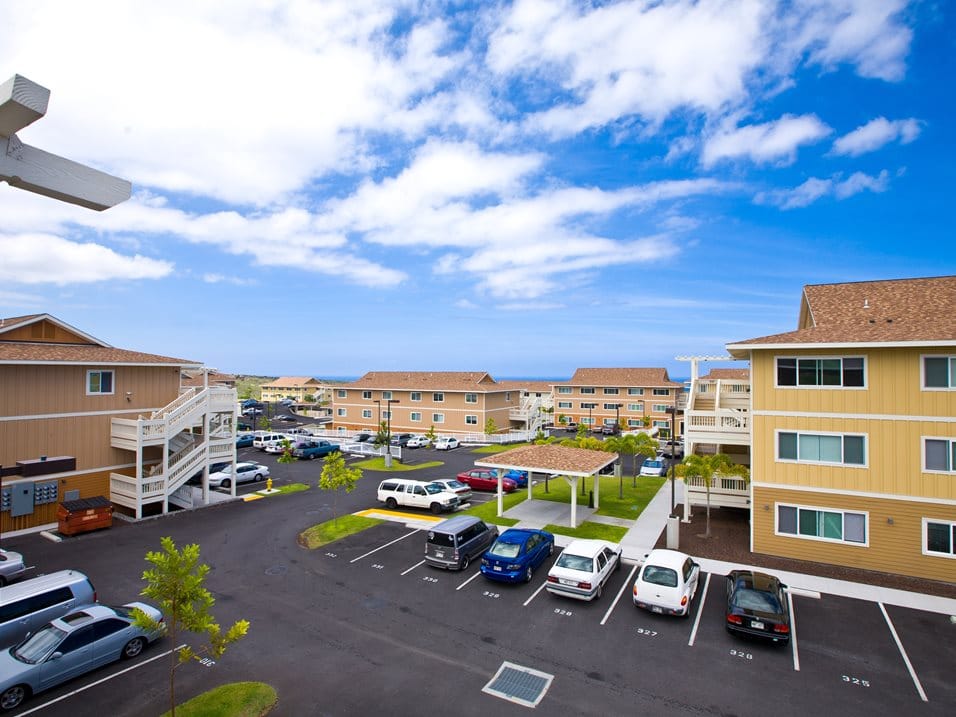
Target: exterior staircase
{"x": 192, "y": 432}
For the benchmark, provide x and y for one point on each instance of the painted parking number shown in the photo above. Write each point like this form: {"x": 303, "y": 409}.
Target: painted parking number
{"x": 377, "y": 566}
{"x": 332, "y": 555}
{"x": 486, "y": 593}
{"x": 562, "y": 611}
{"x": 646, "y": 633}
{"x": 429, "y": 579}
{"x": 207, "y": 662}
{"x": 856, "y": 681}
{"x": 741, "y": 654}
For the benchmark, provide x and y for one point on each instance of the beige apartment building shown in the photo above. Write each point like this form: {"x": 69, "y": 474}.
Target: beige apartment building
{"x": 632, "y": 397}
{"x": 451, "y": 402}
{"x": 296, "y": 388}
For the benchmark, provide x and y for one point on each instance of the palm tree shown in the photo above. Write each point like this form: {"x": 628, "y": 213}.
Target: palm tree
{"x": 644, "y": 446}
{"x": 705, "y": 468}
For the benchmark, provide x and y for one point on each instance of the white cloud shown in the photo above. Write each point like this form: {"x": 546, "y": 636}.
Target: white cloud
{"x": 815, "y": 188}
{"x": 47, "y": 259}
{"x": 860, "y": 182}
{"x": 875, "y": 134}
{"x": 775, "y": 141}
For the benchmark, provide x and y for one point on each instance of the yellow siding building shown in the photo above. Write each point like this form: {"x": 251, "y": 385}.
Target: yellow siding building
{"x": 853, "y": 429}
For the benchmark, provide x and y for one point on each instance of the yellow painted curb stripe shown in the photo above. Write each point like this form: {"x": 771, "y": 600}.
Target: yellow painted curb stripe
{"x": 252, "y": 496}
{"x": 397, "y": 514}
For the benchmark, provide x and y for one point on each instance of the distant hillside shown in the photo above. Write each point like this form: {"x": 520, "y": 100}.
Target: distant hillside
{"x": 251, "y": 386}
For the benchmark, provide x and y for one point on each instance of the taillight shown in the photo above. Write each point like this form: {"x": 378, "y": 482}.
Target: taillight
{"x": 584, "y": 586}
{"x": 552, "y": 579}
{"x": 781, "y": 628}
{"x": 735, "y": 619}
{"x": 635, "y": 589}
{"x": 683, "y": 601}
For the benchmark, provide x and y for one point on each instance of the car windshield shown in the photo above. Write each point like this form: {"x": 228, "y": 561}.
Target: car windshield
{"x": 656, "y": 575}
{"x": 433, "y": 488}
{"x": 506, "y": 550}
{"x": 445, "y": 540}
{"x": 755, "y": 600}
{"x": 575, "y": 562}
{"x": 653, "y": 464}
{"x": 455, "y": 484}
{"x": 39, "y": 645}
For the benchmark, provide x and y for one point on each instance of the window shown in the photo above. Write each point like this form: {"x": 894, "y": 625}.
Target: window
{"x": 662, "y": 424}
{"x": 837, "y": 372}
{"x": 386, "y": 395}
{"x": 366, "y": 413}
{"x": 636, "y": 407}
{"x": 415, "y": 416}
{"x": 438, "y": 397}
{"x": 471, "y": 398}
{"x": 587, "y": 421}
{"x": 939, "y": 537}
{"x": 416, "y": 396}
{"x": 587, "y": 391}
{"x": 471, "y": 420}
{"x": 564, "y": 390}
{"x": 611, "y": 406}
{"x": 831, "y": 448}
{"x": 438, "y": 418}
{"x": 939, "y": 454}
{"x": 99, "y": 382}
{"x": 367, "y": 395}
{"x": 634, "y": 422}
{"x": 611, "y": 391}
{"x": 386, "y": 415}
{"x": 341, "y": 393}
{"x": 822, "y": 524}
{"x": 660, "y": 408}
{"x": 340, "y": 412}
{"x": 508, "y": 396}
{"x": 662, "y": 392}
{"x": 564, "y": 404}
{"x": 635, "y": 392}
{"x": 939, "y": 372}
{"x": 586, "y": 406}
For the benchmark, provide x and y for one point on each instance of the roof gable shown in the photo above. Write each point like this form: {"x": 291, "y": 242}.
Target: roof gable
{"x": 427, "y": 381}
{"x": 44, "y": 328}
{"x": 621, "y": 377}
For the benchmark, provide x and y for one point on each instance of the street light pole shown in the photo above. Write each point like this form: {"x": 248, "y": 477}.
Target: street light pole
{"x": 673, "y": 413}
{"x": 617, "y": 415}
{"x": 388, "y": 431}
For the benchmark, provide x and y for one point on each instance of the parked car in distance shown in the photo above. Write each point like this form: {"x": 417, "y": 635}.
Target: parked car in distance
{"x": 252, "y": 412}
{"x": 454, "y": 543}
{"x": 286, "y": 402}
{"x": 362, "y": 437}
{"x": 244, "y": 440}
{"x": 757, "y": 606}
{"x": 416, "y": 494}
{"x": 582, "y": 569}
{"x": 446, "y": 443}
{"x": 515, "y": 554}
{"x": 12, "y": 567}
{"x": 519, "y": 477}
{"x": 73, "y": 645}
{"x": 653, "y": 467}
{"x": 285, "y": 418}
{"x": 610, "y": 429}
{"x": 455, "y": 486}
{"x": 676, "y": 446}
{"x": 251, "y": 403}
{"x": 666, "y": 583}
{"x": 400, "y": 439}
{"x": 571, "y": 427}
{"x": 241, "y": 473}
{"x": 486, "y": 479}
{"x": 314, "y": 449}
{"x": 298, "y": 430}
{"x": 418, "y": 441}
{"x": 278, "y": 448}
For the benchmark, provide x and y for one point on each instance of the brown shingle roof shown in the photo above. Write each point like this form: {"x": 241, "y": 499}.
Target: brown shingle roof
{"x": 621, "y": 377}
{"x": 728, "y": 373}
{"x": 286, "y": 381}
{"x": 478, "y": 381}
{"x": 530, "y": 386}
{"x": 24, "y": 352}
{"x": 873, "y": 312}
{"x": 551, "y": 459}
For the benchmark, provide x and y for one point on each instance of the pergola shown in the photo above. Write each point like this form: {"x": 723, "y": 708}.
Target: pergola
{"x": 572, "y": 464}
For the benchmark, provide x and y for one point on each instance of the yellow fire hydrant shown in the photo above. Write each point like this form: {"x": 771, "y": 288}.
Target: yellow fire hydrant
{"x": 268, "y": 484}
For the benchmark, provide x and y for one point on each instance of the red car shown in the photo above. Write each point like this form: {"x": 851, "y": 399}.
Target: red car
{"x": 485, "y": 479}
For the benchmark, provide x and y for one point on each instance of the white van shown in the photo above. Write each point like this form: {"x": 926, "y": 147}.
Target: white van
{"x": 266, "y": 440}
{"x": 32, "y": 603}
{"x": 416, "y": 494}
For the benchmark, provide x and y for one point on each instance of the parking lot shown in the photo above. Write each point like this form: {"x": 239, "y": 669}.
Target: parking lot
{"x": 363, "y": 625}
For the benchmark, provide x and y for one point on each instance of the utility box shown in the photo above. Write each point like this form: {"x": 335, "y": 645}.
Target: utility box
{"x": 673, "y": 532}
{"x": 85, "y": 514}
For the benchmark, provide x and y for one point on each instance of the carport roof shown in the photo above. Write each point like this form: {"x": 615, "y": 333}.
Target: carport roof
{"x": 562, "y": 460}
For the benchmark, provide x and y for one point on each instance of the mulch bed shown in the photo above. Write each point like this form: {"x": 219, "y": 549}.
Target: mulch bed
{"x": 730, "y": 541}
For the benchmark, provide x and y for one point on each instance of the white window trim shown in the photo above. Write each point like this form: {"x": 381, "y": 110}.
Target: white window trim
{"x": 661, "y": 392}
{"x": 931, "y": 553}
{"x": 564, "y": 390}
{"x": 438, "y": 418}
{"x": 471, "y": 398}
{"x": 340, "y": 412}
{"x": 612, "y": 392}
{"x": 635, "y": 392}
{"x": 366, "y": 413}
{"x": 588, "y": 391}
{"x": 660, "y": 408}
{"x": 438, "y": 397}
{"x": 565, "y": 404}
{"x": 922, "y": 373}
{"x": 778, "y": 459}
{"x": 366, "y": 395}
{"x": 415, "y": 416}
{"x": 842, "y": 541}
{"x": 841, "y": 387}
{"x": 387, "y": 396}
{"x": 469, "y": 422}
{"x": 950, "y": 440}
{"x": 112, "y": 374}
{"x": 342, "y": 393}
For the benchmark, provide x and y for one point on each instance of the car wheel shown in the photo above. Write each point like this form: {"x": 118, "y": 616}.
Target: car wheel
{"x": 551, "y": 549}
{"x": 600, "y": 591}
{"x": 257, "y": 477}
{"x": 226, "y": 483}
{"x": 3, "y": 581}
{"x": 13, "y": 696}
{"x": 465, "y": 562}
{"x": 436, "y": 508}
{"x": 391, "y": 504}
{"x": 311, "y": 456}
{"x": 528, "y": 574}
{"x": 133, "y": 648}
{"x": 617, "y": 565}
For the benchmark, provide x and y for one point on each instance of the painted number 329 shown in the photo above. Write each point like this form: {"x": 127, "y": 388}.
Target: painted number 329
{"x": 856, "y": 681}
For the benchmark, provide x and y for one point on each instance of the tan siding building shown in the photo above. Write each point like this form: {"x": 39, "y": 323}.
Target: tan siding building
{"x": 853, "y": 429}
{"x": 294, "y": 387}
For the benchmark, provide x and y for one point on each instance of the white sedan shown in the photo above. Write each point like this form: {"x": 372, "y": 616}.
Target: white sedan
{"x": 667, "y": 583}
{"x": 583, "y": 568}
{"x": 418, "y": 442}
{"x": 447, "y": 443}
{"x": 653, "y": 467}
{"x": 244, "y": 473}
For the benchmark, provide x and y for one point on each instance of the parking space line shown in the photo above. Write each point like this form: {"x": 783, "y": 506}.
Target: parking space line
{"x": 413, "y": 567}
{"x": 535, "y": 594}
{"x": 625, "y": 586}
{"x": 100, "y": 681}
{"x": 906, "y": 659}
{"x": 700, "y": 611}
{"x": 468, "y": 580}
{"x": 380, "y": 547}
{"x": 793, "y": 630}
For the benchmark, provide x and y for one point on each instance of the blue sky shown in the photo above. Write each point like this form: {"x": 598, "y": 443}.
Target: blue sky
{"x": 330, "y": 187}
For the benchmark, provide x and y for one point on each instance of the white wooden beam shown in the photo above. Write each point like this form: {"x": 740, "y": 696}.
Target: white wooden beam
{"x": 32, "y": 169}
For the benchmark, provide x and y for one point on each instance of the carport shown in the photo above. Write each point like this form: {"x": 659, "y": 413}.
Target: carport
{"x": 572, "y": 464}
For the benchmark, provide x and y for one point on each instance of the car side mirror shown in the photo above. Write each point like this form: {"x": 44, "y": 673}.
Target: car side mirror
{"x": 782, "y": 586}
{"x": 55, "y": 656}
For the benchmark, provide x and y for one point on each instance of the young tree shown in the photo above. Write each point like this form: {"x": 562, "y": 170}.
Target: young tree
{"x": 335, "y": 475}
{"x": 175, "y": 584}
{"x": 286, "y": 455}
{"x": 490, "y": 427}
{"x": 381, "y": 436}
{"x": 430, "y": 434}
{"x": 705, "y": 468}
{"x": 263, "y": 423}
{"x": 562, "y": 419}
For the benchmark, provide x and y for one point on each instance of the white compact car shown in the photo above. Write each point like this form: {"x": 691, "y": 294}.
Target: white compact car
{"x": 418, "y": 442}
{"x": 653, "y": 467}
{"x": 667, "y": 583}
{"x": 244, "y": 473}
{"x": 583, "y": 568}
{"x": 447, "y": 443}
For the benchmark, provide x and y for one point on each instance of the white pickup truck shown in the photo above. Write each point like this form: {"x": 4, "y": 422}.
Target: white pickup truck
{"x": 416, "y": 494}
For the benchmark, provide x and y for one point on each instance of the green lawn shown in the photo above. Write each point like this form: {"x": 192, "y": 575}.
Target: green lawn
{"x": 378, "y": 464}
{"x": 332, "y": 530}
{"x": 630, "y": 506}
{"x": 291, "y": 488}
{"x": 488, "y": 512}
{"x": 238, "y": 699}
{"x": 599, "y": 531}
{"x": 499, "y": 448}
